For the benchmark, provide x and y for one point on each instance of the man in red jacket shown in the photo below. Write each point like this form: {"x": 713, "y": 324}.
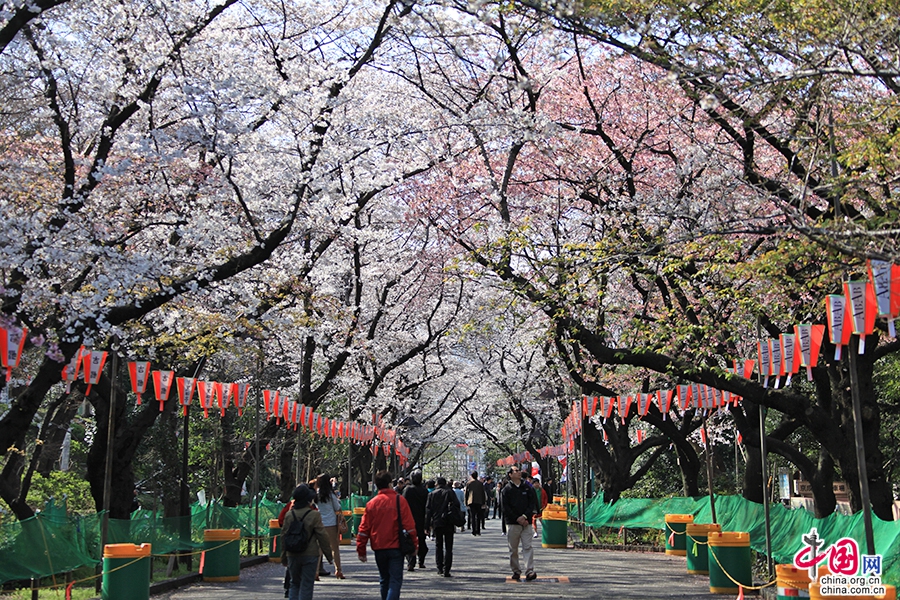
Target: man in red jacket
{"x": 380, "y": 526}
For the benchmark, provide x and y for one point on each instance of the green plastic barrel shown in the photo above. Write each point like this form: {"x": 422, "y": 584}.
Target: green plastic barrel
{"x": 695, "y": 545}
{"x": 222, "y": 555}
{"x": 729, "y": 561}
{"x": 554, "y": 527}
{"x": 358, "y": 513}
{"x": 348, "y": 519}
{"x": 675, "y": 525}
{"x": 126, "y": 572}
{"x": 274, "y": 541}
{"x": 791, "y": 582}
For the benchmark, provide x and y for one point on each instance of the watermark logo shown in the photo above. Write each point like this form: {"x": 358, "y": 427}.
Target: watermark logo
{"x": 850, "y": 573}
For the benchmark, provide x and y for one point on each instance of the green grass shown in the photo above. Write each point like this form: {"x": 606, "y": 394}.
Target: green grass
{"x": 86, "y": 589}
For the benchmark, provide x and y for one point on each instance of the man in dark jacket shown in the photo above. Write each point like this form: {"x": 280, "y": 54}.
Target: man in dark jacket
{"x": 475, "y": 498}
{"x": 442, "y": 500}
{"x": 417, "y": 496}
{"x": 519, "y": 505}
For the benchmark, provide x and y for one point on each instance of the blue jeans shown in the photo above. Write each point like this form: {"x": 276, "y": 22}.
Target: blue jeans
{"x": 303, "y": 576}
{"x": 390, "y": 570}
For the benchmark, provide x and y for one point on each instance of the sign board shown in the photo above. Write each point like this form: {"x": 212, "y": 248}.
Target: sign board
{"x": 784, "y": 484}
{"x": 841, "y": 490}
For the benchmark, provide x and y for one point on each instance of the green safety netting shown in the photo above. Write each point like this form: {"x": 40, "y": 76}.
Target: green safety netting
{"x": 48, "y": 544}
{"x": 53, "y": 542}
{"x": 734, "y": 513}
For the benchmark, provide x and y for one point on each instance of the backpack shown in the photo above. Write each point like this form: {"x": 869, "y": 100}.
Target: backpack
{"x": 296, "y": 538}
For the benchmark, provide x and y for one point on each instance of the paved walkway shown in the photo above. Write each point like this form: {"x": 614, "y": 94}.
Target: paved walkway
{"x": 480, "y": 571}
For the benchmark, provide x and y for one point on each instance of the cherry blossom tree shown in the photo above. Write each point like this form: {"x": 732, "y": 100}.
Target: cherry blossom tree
{"x": 625, "y": 206}
{"x": 179, "y": 169}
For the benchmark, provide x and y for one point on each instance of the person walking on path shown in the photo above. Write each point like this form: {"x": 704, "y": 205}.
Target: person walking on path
{"x": 519, "y": 505}
{"x": 303, "y": 565}
{"x": 287, "y": 572}
{"x": 461, "y": 496}
{"x": 417, "y": 497}
{"x": 330, "y": 509}
{"x": 542, "y": 502}
{"x": 475, "y": 498}
{"x": 490, "y": 499}
{"x": 381, "y": 527}
{"x": 440, "y": 503}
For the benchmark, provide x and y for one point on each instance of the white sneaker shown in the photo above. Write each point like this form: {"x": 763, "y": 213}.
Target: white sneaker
{"x": 535, "y": 534}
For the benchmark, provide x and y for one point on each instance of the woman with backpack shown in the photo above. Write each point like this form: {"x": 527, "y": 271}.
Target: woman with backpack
{"x": 303, "y": 535}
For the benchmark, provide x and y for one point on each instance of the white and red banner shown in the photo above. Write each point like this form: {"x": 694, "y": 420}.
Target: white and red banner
{"x": 139, "y": 372}
{"x": 72, "y": 370}
{"x": 837, "y": 312}
{"x": 790, "y": 358}
{"x": 664, "y": 399}
{"x": 863, "y": 308}
{"x": 222, "y": 392}
{"x": 239, "y": 392}
{"x": 205, "y": 395}
{"x": 643, "y": 403}
{"x": 162, "y": 385}
{"x": 765, "y": 361}
{"x": 93, "y": 367}
{"x": 12, "y": 342}
{"x": 885, "y": 279}
{"x": 809, "y": 342}
{"x": 186, "y": 387}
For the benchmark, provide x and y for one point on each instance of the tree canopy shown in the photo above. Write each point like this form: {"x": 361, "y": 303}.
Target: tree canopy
{"x": 457, "y": 217}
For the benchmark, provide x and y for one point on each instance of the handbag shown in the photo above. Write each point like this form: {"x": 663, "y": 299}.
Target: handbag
{"x": 341, "y": 522}
{"x": 455, "y": 515}
{"x": 407, "y": 545}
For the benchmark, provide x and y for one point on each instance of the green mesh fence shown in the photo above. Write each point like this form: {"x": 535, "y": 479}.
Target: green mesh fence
{"x": 734, "y": 513}
{"x": 53, "y": 542}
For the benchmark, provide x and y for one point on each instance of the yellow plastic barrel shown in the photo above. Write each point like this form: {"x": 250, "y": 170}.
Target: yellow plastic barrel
{"x": 274, "y": 541}
{"x": 695, "y": 545}
{"x": 791, "y": 582}
{"x": 126, "y": 572}
{"x": 554, "y": 527}
{"x": 348, "y": 519}
{"x": 675, "y": 526}
{"x": 222, "y": 555}
{"x": 729, "y": 561}
{"x": 358, "y": 512}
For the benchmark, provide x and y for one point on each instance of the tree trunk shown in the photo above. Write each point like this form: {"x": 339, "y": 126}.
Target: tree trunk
{"x": 689, "y": 465}
{"x": 287, "y": 467}
{"x": 127, "y": 437}
{"x": 10, "y": 486}
{"x": 613, "y": 462}
{"x": 839, "y": 404}
{"x": 822, "y": 483}
{"x": 231, "y": 483}
{"x": 54, "y": 435}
